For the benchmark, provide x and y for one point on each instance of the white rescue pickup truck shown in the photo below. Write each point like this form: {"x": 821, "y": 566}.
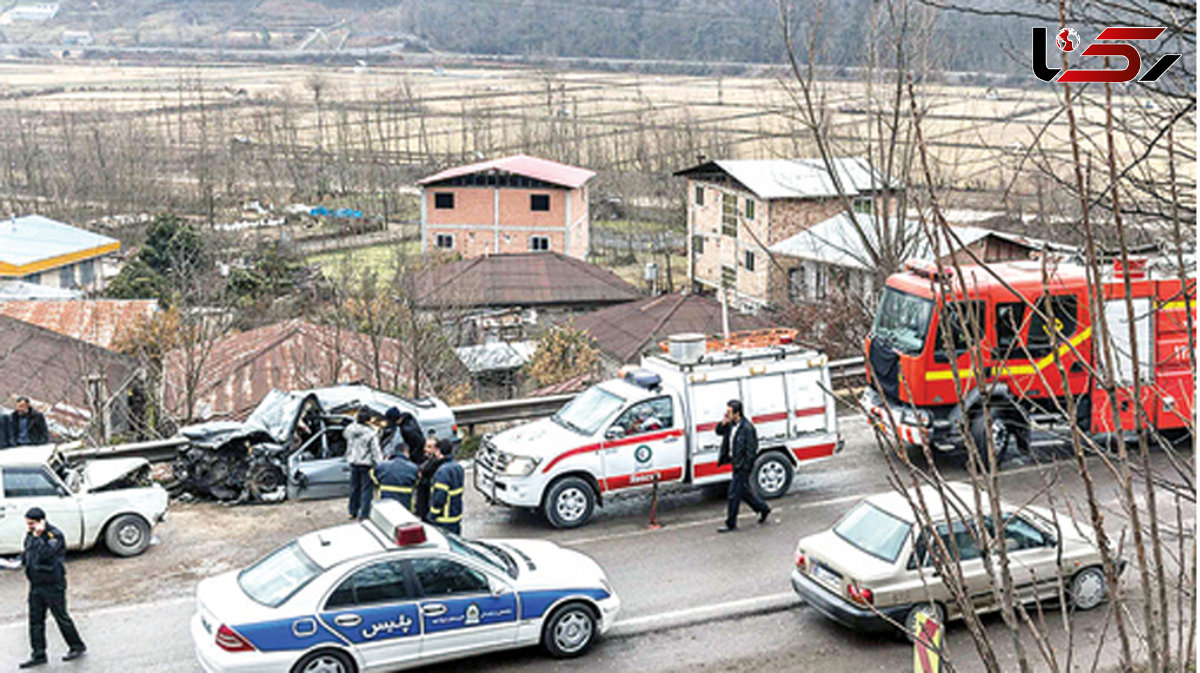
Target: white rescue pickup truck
{"x": 657, "y": 423}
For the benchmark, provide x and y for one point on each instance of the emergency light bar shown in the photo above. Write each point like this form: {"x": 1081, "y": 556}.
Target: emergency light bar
{"x": 927, "y": 269}
{"x": 410, "y": 534}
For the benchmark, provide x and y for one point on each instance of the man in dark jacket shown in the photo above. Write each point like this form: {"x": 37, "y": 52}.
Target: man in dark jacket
{"x": 428, "y": 465}
{"x": 396, "y": 478}
{"x": 29, "y": 425}
{"x": 42, "y": 557}
{"x": 446, "y": 489}
{"x": 6, "y": 432}
{"x": 739, "y": 447}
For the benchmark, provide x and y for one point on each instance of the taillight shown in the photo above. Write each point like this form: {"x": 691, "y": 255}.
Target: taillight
{"x": 230, "y": 641}
{"x": 801, "y": 561}
{"x": 864, "y": 596}
{"x": 454, "y": 429}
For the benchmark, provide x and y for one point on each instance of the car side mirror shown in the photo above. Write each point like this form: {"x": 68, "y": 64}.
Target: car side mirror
{"x": 499, "y": 590}
{"x": 615, "y": 432}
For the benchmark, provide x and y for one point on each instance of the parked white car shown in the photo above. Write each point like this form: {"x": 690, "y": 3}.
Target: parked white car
{"x": 110, "y": 500}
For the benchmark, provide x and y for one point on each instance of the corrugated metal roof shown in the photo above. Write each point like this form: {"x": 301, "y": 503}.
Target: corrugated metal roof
{"x": 291, "y": 355}
{"x": 625, "y": 331}
{"x": 797, "y": 178}
{"x": 520, "y": 164}
{"x": 29, "y": 239}
{"x": 521, "y": 279}
{"x": 495, "y": 356}
{"x": 97, "y": 321}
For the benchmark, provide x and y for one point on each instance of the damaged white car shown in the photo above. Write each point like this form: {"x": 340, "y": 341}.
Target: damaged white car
{"x": 111, "y": 501}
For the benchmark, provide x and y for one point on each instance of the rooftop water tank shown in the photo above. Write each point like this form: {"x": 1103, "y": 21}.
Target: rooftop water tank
{"x": 687, "y": 348}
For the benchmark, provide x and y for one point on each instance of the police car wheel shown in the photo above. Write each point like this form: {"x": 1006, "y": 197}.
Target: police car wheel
{"x": 127, "y": 535}
{"x": 324, "y": 661}
{"x": 772, "y": 475}
{"x": 569, "y": 631}
{"x": 569, "y": 503}
{"x": 935, "y": 612}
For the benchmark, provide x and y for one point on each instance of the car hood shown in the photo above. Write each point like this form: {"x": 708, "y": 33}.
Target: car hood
{"x": 539, "y": 439}
{"x": 217, "y": 432}
{"x": 100, "y": 473}
{"x": 545, "y": 565}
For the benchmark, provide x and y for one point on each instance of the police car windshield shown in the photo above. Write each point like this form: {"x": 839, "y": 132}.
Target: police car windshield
{"x": 280, "y": 574}
{"x": 589, "y": 410}
{"x": 873, "y": 531}
{"x": 904, "y": 319}
{"x": 481, "y": 551}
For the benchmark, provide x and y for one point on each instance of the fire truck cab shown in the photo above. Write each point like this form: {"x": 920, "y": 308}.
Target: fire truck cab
{"x": 1029, "y": 359}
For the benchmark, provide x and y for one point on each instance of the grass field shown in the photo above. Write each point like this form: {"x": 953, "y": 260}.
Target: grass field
{"x": 379, "y": 259}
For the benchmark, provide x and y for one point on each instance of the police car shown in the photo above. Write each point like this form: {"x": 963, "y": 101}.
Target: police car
{"x": 392, "y": 593}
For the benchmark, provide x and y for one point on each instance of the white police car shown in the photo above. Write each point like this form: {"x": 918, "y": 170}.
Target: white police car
{"x": 392, "y": 593}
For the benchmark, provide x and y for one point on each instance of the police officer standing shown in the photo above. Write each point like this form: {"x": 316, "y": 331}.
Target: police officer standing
{"x": 396, "y": 478}
{"x": 739, "y": 447}
{"x": 42, "y": 557}
{"x": 446, "y": 489}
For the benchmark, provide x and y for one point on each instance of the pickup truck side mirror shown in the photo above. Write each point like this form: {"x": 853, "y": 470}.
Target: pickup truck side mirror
{"x": 615, "y": 432}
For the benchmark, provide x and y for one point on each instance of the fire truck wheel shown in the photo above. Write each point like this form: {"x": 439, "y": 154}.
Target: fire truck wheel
{"x": 772, "y": 475}
{"x": 999, "y": 432}
{"x": 569, "y": 503}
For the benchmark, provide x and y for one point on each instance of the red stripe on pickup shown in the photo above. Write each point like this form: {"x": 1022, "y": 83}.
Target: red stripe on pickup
{"x": 636, "y": 439}
{"x": 705, "y": 427}
{"x": 641, "y": 478}
{"x": 812, "y": 411}
{"x": 573, "y": 452}
{"x": 710, "y": 469}
{"x": 815, "y": 451}
{"x": 768, "y": 418}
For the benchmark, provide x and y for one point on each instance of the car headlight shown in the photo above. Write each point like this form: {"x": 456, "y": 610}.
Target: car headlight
{"x": 521, "y": 466}
{"x": 915, "y": 417}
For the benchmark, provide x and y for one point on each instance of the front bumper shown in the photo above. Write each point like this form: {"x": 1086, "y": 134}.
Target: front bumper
{"x": 609, "y": 609}
{"x": 943, "y": 434}
{"x": 511, "y": 491}
{"x": 842, "y": 611}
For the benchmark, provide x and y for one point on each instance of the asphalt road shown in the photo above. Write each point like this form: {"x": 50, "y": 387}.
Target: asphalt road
{"x": 692, "y": 600}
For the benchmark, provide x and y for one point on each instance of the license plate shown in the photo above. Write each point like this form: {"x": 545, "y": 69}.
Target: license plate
{"x": 827, "y": 576}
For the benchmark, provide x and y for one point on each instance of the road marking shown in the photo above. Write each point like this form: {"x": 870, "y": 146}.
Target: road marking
{"x": 672, "y": 619}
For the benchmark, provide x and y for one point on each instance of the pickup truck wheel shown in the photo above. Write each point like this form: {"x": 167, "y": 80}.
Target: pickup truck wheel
{"x": 127, "y": 535}
{"x": 569, "y": 503}
{"x": 569, "y": 631}
{"x": 772, "y": 475}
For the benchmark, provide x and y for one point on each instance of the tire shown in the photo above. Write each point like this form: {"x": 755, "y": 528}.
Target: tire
{"x": 1089, "y": 587}
{"x": 127, "y": 535}
{"x": 772, "y": 475}
{"x": 325, "y": 661}
{"x": 1000, "y": 433}
{"x": 569, "y": 503}
{"x": 910, "y": 620}
{"x": 569, "y": 631}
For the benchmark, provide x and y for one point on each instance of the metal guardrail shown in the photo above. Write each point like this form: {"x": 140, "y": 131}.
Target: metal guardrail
{"x": 467, "y": 416}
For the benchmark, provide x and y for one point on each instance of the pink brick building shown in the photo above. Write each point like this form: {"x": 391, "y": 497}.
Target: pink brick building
{"x": 509, "y": 205}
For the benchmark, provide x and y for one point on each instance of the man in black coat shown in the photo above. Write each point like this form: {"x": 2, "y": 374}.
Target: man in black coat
{"x": 6, "y": 432}
{"x": 43, "y": 555}
{"x": 739, "y": 447}
{"x": 29, "y": 425}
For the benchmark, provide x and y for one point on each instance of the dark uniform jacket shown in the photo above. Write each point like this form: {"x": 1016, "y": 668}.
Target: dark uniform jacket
{"x": 36, "y": 428}
{"x": 7, "y": 435}
{"x": 739, "y": 445}
{"x": 446, "y": 494}
{"x": 43, "y": 557}
{"x": 396, "y": 479}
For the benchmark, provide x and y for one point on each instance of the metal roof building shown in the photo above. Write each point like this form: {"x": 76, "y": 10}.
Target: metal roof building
{"x": 48, "y": 252}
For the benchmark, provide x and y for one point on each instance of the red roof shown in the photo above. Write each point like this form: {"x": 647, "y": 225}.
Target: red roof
{"x": 100, "y": 322}
{"x": 545, "y": 170}
{"x": 291, "y": 355}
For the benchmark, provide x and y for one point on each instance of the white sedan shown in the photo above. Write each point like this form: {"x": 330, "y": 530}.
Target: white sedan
{"x": 103, "y": 500}
{"x": 391, "y": 593}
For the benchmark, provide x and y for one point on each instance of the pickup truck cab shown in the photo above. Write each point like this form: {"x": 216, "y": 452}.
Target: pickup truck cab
{"x": 656, "y": 424}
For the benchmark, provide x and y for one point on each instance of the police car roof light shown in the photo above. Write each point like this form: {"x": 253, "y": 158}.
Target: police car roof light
{"x": 410, "y": 534}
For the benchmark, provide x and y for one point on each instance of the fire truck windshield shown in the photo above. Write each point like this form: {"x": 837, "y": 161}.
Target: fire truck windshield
{"x": 903, "y": 319}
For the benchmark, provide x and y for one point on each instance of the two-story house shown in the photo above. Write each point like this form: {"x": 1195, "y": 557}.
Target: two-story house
{"x": 738, "y": 209}
{"x": 509, "y": 205}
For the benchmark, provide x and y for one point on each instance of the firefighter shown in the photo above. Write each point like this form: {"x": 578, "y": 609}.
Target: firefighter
{"x": 396, "y": 478}
{"x": 446, "y": 489}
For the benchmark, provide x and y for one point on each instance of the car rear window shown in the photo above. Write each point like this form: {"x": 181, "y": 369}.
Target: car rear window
{"x": 283, "y": 572}
{"x": 873, "y": 531}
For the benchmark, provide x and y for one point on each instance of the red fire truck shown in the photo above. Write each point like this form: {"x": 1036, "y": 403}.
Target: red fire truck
{"x": 1024, "y": 384}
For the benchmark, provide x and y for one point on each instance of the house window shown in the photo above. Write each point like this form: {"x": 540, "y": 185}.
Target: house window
{"x": 749, "y": 260}
{"x": 539, "y": 202}
{"x": 863, "y": 205}
{"x": 443, "y": 200}
{"x": 728, "y": 276}
{"x": 445, "y": 241}
{"x": 698, "y": 245}
{"x": 729, "y": 215}
{"x": 35, "y": 278}
{"x": 66, "y": 276}
{"x": 821, "y": 280}
{"x": 749, "y": 209}
{"x": 699, "y": 195}
{"x": 539, "y": 243}
{"x": 87, "y": 272}
{"x": 796, "y": 285}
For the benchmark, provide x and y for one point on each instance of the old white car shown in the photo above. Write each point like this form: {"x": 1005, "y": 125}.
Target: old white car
{"x": 110, "y": 500}
{"x": 873, "y": 569}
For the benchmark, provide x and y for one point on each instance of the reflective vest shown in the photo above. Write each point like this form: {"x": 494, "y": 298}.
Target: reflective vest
{"x": 446, "y": 494}
{"x": 395, "y": 479}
